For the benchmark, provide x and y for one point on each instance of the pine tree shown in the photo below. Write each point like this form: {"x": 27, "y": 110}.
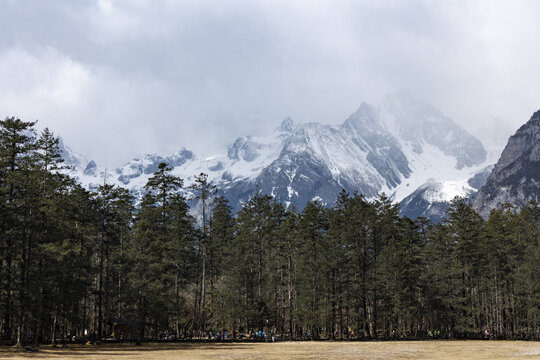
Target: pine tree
{"x": 181, "y": 257}
{"x": 464, "y": 228}
{"x": 250, "y": 246}
{"x": 359, "y": 215}
{"x": 312, "y": 269}
{"x": 153, "y": 266}
{"x": 17, "y": 143}
{"x": 221, "y": 226}
{"x": 385, "y": 242}
{"x": 525, "y": 305}
{"x": 49, "y": 187}
{"x": 115, "y": 217}
{"x": 204, "y": 192}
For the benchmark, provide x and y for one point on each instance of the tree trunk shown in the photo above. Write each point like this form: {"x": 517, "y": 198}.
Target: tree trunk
{"x": 54, "y": 332}
{"x": 100, "y": 291}
{"x": 177, "y": 305}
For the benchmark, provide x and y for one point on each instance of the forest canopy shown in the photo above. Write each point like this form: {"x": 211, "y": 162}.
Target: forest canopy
{"x": 76, "y": 262}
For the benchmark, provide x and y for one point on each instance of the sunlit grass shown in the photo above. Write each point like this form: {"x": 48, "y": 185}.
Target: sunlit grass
{"x": 291, "y": 350}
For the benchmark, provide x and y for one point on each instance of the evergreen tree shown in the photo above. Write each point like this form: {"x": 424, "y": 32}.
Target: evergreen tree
{"x": 204, "y": 192}
{"x": 115, "y": 218}
{"x": 250, "y": 246}
{"x": 312, "y": 269}
{"x": 220, "y": 261}
{"x": 17, "y": 144}
{"x": 159, "y": 236}
{"x": 525, "y": 306}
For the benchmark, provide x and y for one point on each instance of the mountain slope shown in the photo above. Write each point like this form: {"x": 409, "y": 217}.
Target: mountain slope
{"x": 515, "y": 178}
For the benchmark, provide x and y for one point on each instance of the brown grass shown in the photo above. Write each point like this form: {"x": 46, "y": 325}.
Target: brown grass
{"x": 291, "y": 350}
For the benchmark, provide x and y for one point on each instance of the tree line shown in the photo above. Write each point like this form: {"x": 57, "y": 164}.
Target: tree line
{"x": 71, "y": 260}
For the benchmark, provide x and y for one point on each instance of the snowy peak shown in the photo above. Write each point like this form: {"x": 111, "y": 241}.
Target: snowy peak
{"x": 416, "y": 124}
{"x": 434, "y": 191}
{"x": 244, "y": 148}
{"x": 366, "y": 118}
{"x": 287, "y": 125}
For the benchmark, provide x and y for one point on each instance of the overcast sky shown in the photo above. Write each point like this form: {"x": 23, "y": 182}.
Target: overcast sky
{"x": 119, "y": 78}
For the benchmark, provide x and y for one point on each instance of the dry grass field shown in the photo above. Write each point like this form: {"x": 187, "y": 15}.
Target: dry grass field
{"x": 292, "y": 350}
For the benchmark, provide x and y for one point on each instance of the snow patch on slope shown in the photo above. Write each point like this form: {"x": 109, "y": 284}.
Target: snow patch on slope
{"x": 445, "y": 191}
{"x": 438, "y": 167}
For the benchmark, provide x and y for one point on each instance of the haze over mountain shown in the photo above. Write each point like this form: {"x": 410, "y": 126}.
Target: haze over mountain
{"x": 396, "y": 147}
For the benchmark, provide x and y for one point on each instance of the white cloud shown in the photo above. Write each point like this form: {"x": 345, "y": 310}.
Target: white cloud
{"x": 100, "y": 113}
{"x": 49, "y": 78}
{"x": 111, "y": 22}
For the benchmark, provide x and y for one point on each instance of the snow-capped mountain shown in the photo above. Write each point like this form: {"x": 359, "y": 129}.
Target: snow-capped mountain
{"x": 396, "y": 147}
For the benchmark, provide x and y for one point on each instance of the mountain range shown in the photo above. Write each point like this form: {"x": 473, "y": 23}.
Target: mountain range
{"x": 403, "y": 147}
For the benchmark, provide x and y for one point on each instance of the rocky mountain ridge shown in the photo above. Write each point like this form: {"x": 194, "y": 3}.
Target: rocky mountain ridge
{"x": 515, "y": 179}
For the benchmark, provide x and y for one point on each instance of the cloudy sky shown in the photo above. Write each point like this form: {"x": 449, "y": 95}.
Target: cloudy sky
{"x": 120, "y": 78}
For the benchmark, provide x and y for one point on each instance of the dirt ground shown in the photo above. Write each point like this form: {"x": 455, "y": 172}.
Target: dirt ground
{"x": 291, "y": 350}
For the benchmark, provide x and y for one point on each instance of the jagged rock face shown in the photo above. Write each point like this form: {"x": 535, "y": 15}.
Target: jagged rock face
{"x": 383, "y": 149}
{"x": 244, "y": 148}
{"x": 91, "y": 168}
{"x": 480, "y": 178}
{"x": 293, "y": 180}
{"x": 515, "y": 179}
{"x": 287, "y": 125}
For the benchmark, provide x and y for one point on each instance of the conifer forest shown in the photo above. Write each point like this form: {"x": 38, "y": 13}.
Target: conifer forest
{"x": 73, "y": 262}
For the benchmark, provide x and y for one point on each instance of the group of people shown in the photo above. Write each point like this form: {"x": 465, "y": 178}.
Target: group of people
{"x": 222, "y": 335}
{"x": 260, "y": 335}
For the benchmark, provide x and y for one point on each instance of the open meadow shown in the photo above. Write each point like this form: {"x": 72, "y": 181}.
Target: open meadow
{"x": 291, "y": 350}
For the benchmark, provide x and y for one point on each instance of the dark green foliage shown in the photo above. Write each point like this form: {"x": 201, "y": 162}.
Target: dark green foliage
{"x": 72, "y": 261}
{"x": 254, "y": 238}
{"x": 160, "y": 255}
{"x": 204, "y": 191}
{"x": 313, "y": 269}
